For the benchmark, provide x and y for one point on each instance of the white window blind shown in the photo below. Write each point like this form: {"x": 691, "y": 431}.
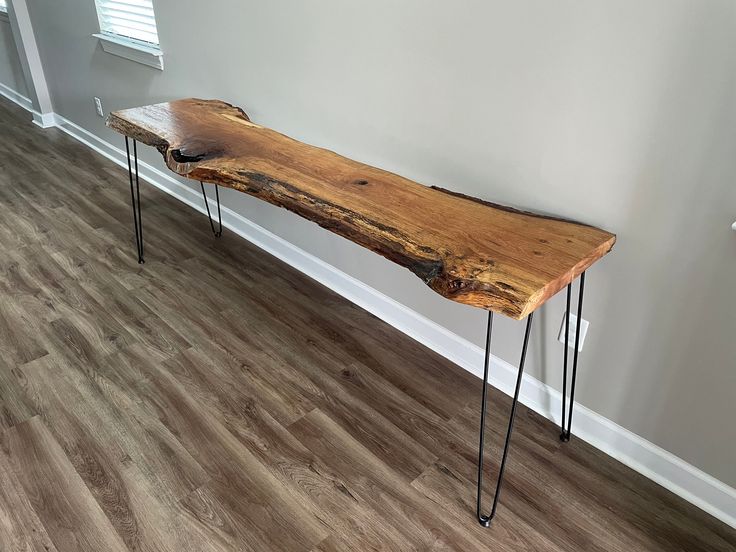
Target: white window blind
{"x": 3, "y": 5}
{"x": 128, "y": 18}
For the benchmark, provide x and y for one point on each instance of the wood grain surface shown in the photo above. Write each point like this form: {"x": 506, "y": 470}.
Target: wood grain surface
{"x": 217, "y": 400}
{"x": 467, "y": 250}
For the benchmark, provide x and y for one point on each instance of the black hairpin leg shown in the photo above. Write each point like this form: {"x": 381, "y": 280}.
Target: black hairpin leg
{"x": 218, "y": 232}
{"x": 135, "y": 198}
{"x": 565, "y": 430}
{"x": 483, "y": 519}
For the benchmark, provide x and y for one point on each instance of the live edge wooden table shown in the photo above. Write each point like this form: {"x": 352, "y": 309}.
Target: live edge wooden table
{"x": 482, "y": 254}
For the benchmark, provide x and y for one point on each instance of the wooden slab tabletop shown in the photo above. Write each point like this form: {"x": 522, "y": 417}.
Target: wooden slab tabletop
{"x": 471, "y": 251}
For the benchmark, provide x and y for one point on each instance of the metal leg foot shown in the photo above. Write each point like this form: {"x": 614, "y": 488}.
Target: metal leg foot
{"x": 485, "y": 520}
{"x": 217, "y": 232}
{"x": 565, "y": 430}
{"x": 135, "y": 198}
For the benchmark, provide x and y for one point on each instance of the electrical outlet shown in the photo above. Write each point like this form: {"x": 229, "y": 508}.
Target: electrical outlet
{"x": 571, "y": 336}
{"x": 100, "y": 112}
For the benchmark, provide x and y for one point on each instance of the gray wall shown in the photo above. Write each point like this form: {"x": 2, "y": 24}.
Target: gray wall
{"x": 620, "y": 113}
{"x": 11, "y": 72}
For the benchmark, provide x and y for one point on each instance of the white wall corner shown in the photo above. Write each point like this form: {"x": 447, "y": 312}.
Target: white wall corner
{"x": 25, "y": 41}
{"x": 673, "y": 473}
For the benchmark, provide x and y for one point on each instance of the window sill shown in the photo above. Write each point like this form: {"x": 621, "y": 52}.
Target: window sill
{"x": 128, "y": 49}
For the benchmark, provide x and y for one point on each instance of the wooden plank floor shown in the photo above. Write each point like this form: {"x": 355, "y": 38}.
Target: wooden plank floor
{"x": 215, "y": 399}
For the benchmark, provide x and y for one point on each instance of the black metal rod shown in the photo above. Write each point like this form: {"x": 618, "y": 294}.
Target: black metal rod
{"x": 132, "y": 193}
{"x": 563, "y": 433}
{"x": 483, "y": 519}
{"x": 575, "y": 355}
{"x": 481, "y": 445}
{"x": 218, "y": 232}
{"x": 138, "y": 193}
{"x": 219, "y": 213}
{"x": 135, "y": 204}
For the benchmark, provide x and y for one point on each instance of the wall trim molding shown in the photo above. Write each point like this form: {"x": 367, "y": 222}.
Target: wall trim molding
{"x": 131, "y": 49}
{"x": 655, "y": 463}
{"x": 44, "y": 120}
{"x": 16, "y": 97}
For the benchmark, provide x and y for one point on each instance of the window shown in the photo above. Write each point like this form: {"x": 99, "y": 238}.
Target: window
{"x": 3, "y": 6}
{"x": 128, "y": 30}
{"x": 128, "y": 19}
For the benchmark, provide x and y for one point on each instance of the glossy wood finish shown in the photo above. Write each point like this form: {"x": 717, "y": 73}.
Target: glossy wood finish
{"x": 215, "y": 399}
{"x": 467, "y": 250}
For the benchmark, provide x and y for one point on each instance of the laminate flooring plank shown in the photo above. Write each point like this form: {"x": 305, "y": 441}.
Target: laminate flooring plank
{"x": 263, "y": 507}
{"x": 143, "y": 324}
{"x": 15, "y": 406}
{"x": 134, "y": 468}
{"x": 18, "y": 342}
{"x": 537, "y": 479}
{"x": 342, "y": 329}
{"x": 318, "y": 489}
{"x": 20, "y": 528}
{"x": 309, "y": 361}
{"x": 408, "y": 512}
{"x": 71, "y": 516}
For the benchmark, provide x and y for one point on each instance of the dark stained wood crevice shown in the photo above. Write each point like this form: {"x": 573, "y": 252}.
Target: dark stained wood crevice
{"x": 469, "y": 250}
{"x": 181, "y": 157}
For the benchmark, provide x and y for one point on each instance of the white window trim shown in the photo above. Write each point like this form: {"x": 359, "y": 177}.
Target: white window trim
{"x": 131, "y": 49}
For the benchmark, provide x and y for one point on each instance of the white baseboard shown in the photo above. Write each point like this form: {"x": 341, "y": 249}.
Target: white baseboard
{"x": 44, "y": 120}
{"x": 16, "y": 97}
{"x": 657, "y": 464}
